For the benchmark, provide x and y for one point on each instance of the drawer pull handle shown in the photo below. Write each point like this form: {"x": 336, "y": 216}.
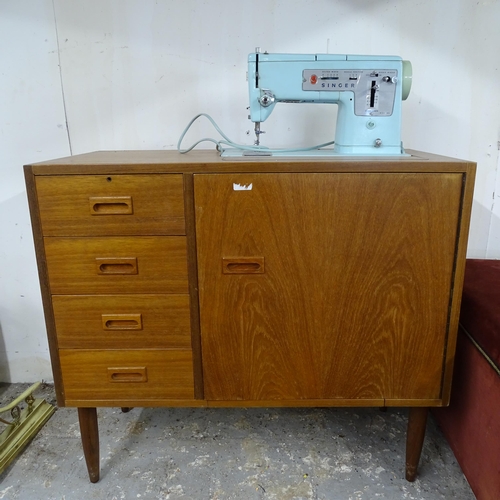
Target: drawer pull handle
{"x": 121, "y": 322}
{"x": 128, "y": 374}
{"x": 243, "y": 265}
{"x": 111, "y": 205}
{"x": 111, "y": 265}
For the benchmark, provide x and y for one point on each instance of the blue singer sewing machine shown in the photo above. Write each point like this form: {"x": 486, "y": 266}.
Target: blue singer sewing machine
{"x": 367, "y": 89}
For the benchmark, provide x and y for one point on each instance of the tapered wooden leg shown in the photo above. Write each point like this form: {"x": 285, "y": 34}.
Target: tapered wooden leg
{"x": 417, "y": 421}
{"x": 90, "y": 441}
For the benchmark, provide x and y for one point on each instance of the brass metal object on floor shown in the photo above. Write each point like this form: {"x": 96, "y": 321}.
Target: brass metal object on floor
{"x": 24, "y": 425}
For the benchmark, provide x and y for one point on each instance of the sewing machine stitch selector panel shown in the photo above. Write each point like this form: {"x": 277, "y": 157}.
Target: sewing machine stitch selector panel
{"x": 374, "y": 90}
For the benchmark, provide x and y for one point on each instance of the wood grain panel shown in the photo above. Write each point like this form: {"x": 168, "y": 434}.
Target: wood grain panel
{"x": 457, "y": 287}
{"x": 193, "y": 285}
{"x": 131, "y": 321}
{"x": 199, "y": 161}
{"x": 166, "y": 374}
{"x": 44, "y": 283}
{"x": 106, "y": 205}
{"x": 136, "y": 402}
{"x": 354, "y": 300}
{"x": 161, "y": 264}
{"x": 298, "y": 403}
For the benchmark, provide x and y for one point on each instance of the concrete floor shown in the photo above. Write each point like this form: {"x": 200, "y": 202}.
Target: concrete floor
{"x": 240, "y": 454}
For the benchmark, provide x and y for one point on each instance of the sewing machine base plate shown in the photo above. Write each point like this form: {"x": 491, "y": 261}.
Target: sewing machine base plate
{"x": 316, "y": 153}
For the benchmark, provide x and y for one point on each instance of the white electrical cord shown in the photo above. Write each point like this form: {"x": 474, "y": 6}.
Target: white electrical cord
{"x": 232, "y": 145}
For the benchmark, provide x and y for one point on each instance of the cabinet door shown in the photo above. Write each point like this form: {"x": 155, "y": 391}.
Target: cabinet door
{"x": 320, "y": 286}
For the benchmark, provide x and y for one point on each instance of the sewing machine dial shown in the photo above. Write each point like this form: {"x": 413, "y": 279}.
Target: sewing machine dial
{"x": 374, "y": 90}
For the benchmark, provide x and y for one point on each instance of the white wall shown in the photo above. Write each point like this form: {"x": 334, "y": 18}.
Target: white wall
{"x": 131, "y": 74}
{"x": 32, "y": 128}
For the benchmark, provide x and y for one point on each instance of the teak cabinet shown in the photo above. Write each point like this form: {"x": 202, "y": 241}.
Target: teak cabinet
{"x": 189, "y": 280}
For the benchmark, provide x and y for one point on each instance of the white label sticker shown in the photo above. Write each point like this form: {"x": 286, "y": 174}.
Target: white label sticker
{"x": 242, "y": 187}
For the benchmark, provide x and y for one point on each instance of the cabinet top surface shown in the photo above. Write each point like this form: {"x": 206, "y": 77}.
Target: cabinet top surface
{"x": 209, "y": 161}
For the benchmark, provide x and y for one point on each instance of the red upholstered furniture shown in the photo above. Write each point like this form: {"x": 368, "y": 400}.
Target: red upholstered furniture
{"x": 472, "y": 421}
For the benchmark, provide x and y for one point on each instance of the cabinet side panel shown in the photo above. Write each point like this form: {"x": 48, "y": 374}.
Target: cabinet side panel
{"x": 458, "y": 279}
{"x": 44, "y": 282}
{"x": 339, "y": 284}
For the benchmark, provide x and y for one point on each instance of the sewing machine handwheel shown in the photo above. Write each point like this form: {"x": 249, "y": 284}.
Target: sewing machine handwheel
{"x": 407, "y": 76}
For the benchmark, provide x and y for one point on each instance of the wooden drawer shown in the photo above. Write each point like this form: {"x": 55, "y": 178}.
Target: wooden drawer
{"x": 138, "y": 374}
{"x": 83, "y": 205}
{"x": 122, "y": 321}
{"x": 141, "y": 264}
